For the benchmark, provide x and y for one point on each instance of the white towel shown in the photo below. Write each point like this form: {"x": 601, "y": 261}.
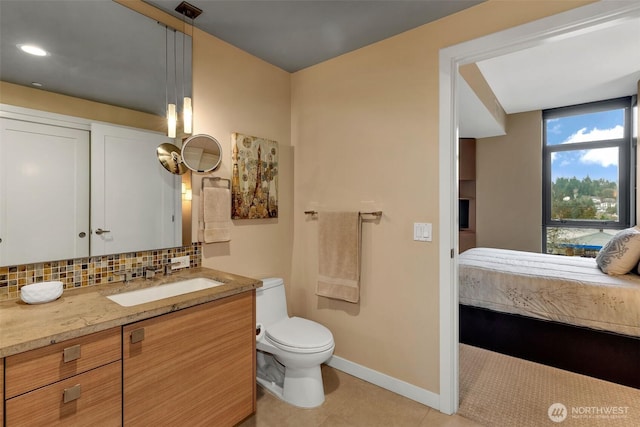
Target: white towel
{"x": 215, "y": 224}
{"x": 339, "y": 255}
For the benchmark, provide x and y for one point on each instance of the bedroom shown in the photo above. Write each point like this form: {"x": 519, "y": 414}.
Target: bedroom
{"x": 508, "y": 199}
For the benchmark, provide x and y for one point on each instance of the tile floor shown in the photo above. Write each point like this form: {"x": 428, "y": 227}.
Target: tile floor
{"x": 350, "y": 402}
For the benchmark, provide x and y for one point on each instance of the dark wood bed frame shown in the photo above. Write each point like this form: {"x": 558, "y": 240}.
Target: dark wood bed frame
{"x": 605, "y": 355}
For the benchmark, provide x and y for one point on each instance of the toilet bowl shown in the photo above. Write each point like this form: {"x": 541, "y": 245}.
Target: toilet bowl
{"x": 290, "y": 350}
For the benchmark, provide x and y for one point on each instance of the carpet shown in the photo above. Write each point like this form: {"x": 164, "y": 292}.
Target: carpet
{"x": 499, "y": 390}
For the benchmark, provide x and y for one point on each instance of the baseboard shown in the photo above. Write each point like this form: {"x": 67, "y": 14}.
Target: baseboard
{"x": 395, "y": 385}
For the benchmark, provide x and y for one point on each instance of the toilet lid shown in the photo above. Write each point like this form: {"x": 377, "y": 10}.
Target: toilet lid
{"x": 298, "y": 333}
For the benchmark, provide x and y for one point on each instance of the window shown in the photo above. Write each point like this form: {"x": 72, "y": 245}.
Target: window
{"x": 588, "y": 164}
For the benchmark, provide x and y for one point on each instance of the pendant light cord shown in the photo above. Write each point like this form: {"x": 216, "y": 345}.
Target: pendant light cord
{"x": 175, "y": 69}
{"x": 166, "y": 66}
{"x": 184, "y": 36}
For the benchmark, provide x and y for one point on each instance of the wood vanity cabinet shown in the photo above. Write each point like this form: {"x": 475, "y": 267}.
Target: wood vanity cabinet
{"x": 1, "y": 391}
{"x": 73, "y": 382}
{"x": 192, "y": 367}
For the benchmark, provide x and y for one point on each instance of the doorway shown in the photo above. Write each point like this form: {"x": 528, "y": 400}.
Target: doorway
{"x": 567, "y": 24}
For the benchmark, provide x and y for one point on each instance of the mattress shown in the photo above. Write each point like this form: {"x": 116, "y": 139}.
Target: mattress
{"x": 570, "y": 290}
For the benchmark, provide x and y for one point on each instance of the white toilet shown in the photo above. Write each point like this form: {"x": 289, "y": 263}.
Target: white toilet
{"x": 290, "y": 350}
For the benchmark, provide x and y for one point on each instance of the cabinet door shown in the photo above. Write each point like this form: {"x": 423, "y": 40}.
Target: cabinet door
{"x": 125, "y": 173}
{"x": 44, "y": 192}
{"x": 193, "y": 367}
{"x": 1, "y": 389}
{"x": 467, "y": 159}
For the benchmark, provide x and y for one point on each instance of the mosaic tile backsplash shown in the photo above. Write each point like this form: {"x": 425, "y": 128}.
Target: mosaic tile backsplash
{"x": 75, "y": 273}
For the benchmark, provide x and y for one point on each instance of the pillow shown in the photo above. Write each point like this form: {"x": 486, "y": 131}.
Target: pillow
{"x": 621, "y": 253}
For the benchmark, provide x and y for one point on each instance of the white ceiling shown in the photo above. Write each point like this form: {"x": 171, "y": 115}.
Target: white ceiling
{"x": 602, "y": 63}
{"x": 599, "y": 63}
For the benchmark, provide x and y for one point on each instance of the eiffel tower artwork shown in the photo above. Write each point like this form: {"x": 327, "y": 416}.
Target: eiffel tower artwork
{"x": 254, "y": 182}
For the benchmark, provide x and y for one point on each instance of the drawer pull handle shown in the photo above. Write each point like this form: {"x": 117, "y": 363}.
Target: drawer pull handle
{"x": 137, "y": 335}
{"x": 72, "y": 393}
{"x": 71, "y": 353}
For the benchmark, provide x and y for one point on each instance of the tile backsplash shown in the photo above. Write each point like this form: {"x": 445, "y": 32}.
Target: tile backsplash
{"x": 75, "y": 273}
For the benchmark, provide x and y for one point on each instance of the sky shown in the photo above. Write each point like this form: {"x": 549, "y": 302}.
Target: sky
{"x": 598, "y": 163}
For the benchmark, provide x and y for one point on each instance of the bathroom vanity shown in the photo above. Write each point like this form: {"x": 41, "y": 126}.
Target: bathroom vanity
{"x": 86, "y": 360}
{"x": 190, "y": 366}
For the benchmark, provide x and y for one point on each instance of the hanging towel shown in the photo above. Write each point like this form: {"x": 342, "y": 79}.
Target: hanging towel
{"x": 215, "y": 224}
{"x": 339, "y": 255}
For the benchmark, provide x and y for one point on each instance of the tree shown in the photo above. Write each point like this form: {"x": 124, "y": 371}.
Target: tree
{"x": 574, "y": 199}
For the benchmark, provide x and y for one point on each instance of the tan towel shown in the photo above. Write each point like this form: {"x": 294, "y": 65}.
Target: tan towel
{"x": 339, "y": 255}
{"x": 215, "y": 210}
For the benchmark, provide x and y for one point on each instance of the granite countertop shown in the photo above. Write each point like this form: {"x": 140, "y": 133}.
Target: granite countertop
{"x": 86, "y": 310}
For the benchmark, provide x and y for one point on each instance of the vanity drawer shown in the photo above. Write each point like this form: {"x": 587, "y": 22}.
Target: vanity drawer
{"x": 36, "y": 368}
{"x": 93, "y": 398}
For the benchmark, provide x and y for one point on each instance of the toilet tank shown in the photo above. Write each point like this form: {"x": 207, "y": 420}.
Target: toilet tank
{"x": 271, "y": 301}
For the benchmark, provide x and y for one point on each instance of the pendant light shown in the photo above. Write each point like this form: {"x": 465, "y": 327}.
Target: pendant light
{"x": 187, "y": 113}
{"x": 187, "y": 11}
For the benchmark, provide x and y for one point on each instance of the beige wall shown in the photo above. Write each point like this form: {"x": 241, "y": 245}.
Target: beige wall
{"x": 237, "y": 92}
{"x": 365, "y": 131}
{"x": 509, "y": 186}
{"x": 37, "y": 99}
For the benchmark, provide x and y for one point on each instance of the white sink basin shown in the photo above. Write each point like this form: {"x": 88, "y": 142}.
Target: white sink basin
{"x": 141, "y": 296}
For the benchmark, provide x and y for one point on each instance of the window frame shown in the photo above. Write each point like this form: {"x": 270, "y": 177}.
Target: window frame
{"x": 626, "y": 165}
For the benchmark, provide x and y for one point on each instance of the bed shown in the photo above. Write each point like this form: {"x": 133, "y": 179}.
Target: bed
{"x": 556, "y": 310}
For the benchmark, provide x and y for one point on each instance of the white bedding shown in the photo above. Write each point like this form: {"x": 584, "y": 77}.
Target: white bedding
{"x": 570, "y": 290}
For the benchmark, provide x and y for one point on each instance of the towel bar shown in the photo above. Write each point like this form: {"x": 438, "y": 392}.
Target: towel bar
{"x": 215, "y": 178}
{"x": 375, "y": 213}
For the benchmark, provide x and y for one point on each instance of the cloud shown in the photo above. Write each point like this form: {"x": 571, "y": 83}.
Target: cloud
{"x": 604, "y": 157}
{"x": 595, "y": 134}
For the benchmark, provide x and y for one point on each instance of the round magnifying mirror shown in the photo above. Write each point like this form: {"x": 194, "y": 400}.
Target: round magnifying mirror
{"x": 202, "y": 153}
{"x": 170, "y": 157}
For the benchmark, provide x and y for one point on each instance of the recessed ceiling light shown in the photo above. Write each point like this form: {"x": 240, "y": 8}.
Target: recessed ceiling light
{"x": 33, "y": 50}
{"x": 36, "y": 84}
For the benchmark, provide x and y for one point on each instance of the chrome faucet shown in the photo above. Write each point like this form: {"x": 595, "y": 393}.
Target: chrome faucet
{"x": 128, "y": 275}
{"x": 168, "y": 267}
{"x": 150, "y": 271}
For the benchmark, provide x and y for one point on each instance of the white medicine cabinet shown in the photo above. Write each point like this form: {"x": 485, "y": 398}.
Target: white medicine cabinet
{"x": 135, "y": 203}
{"x": 44, "y": 192}
{"x": 72, "y": 188}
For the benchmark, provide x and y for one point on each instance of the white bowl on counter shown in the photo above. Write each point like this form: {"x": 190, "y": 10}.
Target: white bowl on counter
{"x": 39, "y": 293}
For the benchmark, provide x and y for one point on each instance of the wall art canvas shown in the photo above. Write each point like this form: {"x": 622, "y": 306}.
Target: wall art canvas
{"x": 254, "y": 184}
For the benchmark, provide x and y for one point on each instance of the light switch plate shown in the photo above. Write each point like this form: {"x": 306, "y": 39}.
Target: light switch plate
{"x": 422, "y": 231}
{"x": 183, "y": 260}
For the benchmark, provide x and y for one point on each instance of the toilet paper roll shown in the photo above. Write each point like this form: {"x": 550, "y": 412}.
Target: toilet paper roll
{"x": 259, "y": 331}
